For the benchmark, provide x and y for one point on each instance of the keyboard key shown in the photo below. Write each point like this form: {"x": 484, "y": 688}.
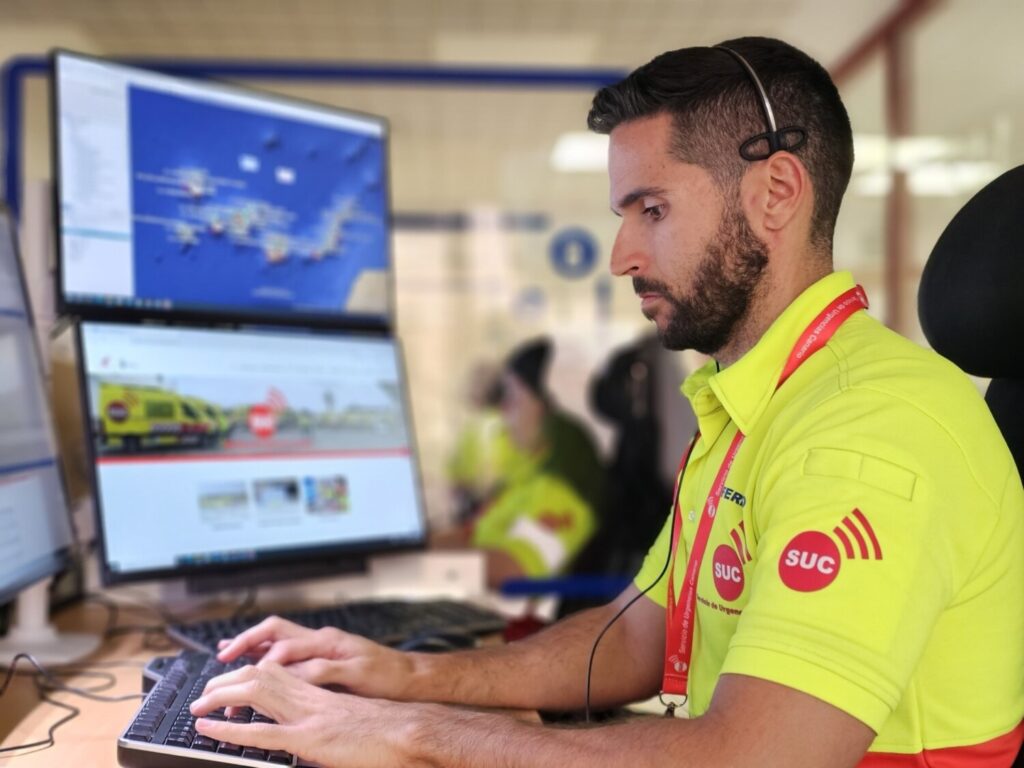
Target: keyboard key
{"x": 277, "y": 756}
{"x": 254, "y": 754}
{"x": 205, "y": 743}
{"x": 229, "y": 749}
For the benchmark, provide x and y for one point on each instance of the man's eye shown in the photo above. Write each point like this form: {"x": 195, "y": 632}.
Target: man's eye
{"x": 654, "y": 211}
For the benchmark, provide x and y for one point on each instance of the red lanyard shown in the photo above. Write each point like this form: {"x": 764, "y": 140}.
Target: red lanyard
{"x": 681, "y": 615}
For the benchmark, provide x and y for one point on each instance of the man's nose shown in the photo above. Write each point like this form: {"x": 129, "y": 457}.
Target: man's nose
{"x": 628, "y": 254}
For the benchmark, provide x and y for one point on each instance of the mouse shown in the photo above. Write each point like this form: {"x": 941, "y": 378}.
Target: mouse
{"x": 438, "y": 642}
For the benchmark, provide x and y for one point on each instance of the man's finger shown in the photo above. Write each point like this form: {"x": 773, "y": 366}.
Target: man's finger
{"x": 292, "y": 649}
{"x": 267, "y": 631}
{"x": 237, "y": 695}
{"x": 315, "y": 671}
{"x": 260, "y": 735}
{"x": 256, "y": 693}
{"x": 233, "y": 677}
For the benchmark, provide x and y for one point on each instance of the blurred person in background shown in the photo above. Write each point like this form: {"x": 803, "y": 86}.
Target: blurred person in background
{"x": 546, "y": 509}
{"x": 484, "y": 453}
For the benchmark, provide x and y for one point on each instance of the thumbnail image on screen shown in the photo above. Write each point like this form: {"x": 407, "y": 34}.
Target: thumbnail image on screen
{"x": 223, "y": 446}
{"x": 188, "y": 195}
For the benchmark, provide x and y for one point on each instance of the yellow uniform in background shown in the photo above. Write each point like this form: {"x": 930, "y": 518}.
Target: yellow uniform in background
{"x": 546, "y": 511}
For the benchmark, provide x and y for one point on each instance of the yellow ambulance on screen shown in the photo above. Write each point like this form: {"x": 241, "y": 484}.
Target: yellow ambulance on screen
{"x": 134, "y": 417}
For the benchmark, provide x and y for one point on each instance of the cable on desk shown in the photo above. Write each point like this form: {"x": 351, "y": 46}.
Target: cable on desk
{"x": 247, "y": 603}
{"x": 47, "y": 681}
{"x": 107, "y": 680}
{"x": 73, "y": 710}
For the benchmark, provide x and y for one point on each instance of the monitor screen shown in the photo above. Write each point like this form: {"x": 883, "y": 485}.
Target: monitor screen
{"x": 201, "y": 199}
{"x": 35, "y": 529}
{"x": 217, "y": 450}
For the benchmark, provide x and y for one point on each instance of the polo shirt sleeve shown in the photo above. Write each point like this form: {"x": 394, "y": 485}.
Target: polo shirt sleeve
{"x": 653, "y": 570}
{"x": 861, "y": 524}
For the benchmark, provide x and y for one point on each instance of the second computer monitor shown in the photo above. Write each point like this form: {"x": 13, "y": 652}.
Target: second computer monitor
{"x": 187, "y": 197}
{"x": 222, "y": 450}
{"x": 35, "y": 528}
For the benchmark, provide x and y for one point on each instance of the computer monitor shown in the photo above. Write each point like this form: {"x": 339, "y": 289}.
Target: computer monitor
{"x": 204, "y": 200}
{"x": 219, "y": 451}
{"x": 35, "y": 528}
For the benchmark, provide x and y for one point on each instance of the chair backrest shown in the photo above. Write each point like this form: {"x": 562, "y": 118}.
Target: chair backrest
{"x": 971, "y": 302}
{"x": 971, "y": 299}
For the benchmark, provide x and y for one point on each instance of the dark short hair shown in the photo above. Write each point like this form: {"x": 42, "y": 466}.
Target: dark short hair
{"x": 715, "y": 107}
{"x": 529, "y": 363}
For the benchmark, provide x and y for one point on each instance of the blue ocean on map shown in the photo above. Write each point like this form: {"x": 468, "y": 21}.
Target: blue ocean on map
{"x": 240, "y": 209}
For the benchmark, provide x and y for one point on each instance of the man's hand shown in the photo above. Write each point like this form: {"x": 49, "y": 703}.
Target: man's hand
{"x": 545, "y": 671}
{"x": 332, "y": 729}
{"x": 325, "y": 657}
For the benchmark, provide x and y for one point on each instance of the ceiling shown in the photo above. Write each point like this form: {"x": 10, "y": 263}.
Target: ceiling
{"x": 452, "y": 147}
{"x": 569, "y": 32}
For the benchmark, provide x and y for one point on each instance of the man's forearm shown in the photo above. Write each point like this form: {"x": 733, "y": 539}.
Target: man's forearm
{"x": 444, "y": 738}
{"x": 548, "y": 670}
{"x": 751, "y": 723}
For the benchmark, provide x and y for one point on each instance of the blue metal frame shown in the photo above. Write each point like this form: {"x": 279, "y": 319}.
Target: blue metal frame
{"x": 15, "y": 71}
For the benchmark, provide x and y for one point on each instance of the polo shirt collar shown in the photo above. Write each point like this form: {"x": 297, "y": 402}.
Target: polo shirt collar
{"x": 745, "y": 388}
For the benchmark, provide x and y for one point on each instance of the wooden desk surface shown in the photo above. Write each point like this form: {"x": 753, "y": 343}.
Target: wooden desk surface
{"x": 91, "y": 738}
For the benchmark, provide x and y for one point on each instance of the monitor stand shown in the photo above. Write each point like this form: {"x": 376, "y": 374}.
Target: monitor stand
{"x": 272, "y": 573}
{"x": 31, "y": 632}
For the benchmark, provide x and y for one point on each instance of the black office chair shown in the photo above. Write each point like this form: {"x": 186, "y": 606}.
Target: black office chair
{"x": 971, "y": 302}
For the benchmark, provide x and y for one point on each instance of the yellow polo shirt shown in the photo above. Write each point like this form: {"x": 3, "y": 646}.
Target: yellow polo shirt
{"x": 869, "y": 546}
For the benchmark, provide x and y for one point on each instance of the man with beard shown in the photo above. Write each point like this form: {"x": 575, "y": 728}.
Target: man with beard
{"x": 839, "y": 582}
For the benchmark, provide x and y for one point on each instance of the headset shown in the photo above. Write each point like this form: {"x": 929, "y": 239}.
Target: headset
{"x": 789, "y": 138}
{"x": 777, "y": 138}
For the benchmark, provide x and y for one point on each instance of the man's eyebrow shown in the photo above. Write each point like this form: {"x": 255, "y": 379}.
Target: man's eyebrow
{"x": 627, "y": 200}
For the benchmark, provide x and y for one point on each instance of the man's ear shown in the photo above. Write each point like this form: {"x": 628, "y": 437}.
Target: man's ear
{"x": 777, "y": 194}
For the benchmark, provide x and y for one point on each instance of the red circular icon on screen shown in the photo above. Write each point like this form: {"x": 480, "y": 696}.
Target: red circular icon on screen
{"x": 117, "y": 411}
{"x": 261, "y": 421}
{"x": 809, "y": 562}
{"x": 728, "y": 573}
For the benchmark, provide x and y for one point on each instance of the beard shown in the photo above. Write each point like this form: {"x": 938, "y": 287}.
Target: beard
{"x": 723, "y": 289}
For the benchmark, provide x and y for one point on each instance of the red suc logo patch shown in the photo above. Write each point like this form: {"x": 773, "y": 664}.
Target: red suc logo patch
{"x": 809, "y": 562}
{"x": 728, "y": 573}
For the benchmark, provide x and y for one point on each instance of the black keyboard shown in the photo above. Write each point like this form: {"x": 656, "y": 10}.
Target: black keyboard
{"x": 162, "y": 733}
{"x": 389, "y": 622}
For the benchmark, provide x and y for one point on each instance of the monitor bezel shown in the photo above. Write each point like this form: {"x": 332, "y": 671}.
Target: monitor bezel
{"x": 309, "y": 555}
{"x": 206, "y": 313}
{"x": 63, "y": 557}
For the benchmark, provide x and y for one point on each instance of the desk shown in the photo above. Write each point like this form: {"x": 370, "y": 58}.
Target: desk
{"x": 91, "y": 738}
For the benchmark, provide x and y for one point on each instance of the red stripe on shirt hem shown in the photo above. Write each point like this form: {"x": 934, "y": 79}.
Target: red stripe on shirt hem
{"x": 995, "y": 753}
